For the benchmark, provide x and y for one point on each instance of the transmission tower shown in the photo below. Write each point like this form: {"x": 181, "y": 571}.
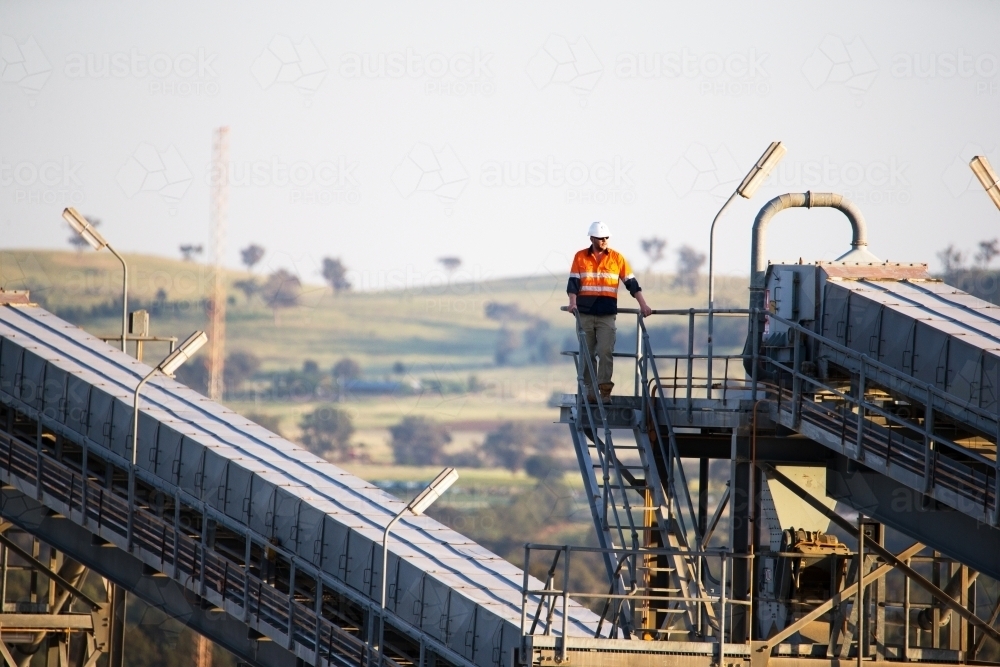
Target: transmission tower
{"x": 217, "y": 309}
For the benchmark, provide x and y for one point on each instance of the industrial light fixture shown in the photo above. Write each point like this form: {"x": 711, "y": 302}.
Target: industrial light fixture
{"x": 168, "y": 366}
{"x": 746, "y": 189}
{"x": 186, "y": 350}
{"x": 434, "y": 490}
{"x": 760, "y": 171}
{"x": 90, "y": 234}
{"x": 417, "y": 506}
{"x": 83, "y": 227}
{"x": 984, "y": 172}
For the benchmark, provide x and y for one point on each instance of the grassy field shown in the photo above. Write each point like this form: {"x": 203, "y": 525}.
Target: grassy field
{"x": 441, "y": 336}
{"x": 438, "y": 334}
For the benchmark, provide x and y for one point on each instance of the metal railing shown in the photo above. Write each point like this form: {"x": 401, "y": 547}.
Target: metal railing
{"x": 641, "y": 598}
{"x": 695, "y": 372}
{"x": 908, "y": 441}
{"x": 665, "y": 485}
{"x": 226, "y": 583}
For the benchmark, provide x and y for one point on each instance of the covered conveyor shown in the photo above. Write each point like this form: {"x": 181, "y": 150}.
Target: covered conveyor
{"x": 235, "y": 516}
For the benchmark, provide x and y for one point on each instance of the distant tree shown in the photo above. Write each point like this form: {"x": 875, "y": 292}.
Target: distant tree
{"x": 509, "y": 445}
{"x": 952, "y": 259}
{"x": 77, "y": 241}
{"x": 987, "y": 251}
{"x": 251, "y": 255}
{"x": 281, "y": 290}
{"x": 335, "y": 274}
{"x": 689, "y": 263}
{"x": 505, "y": 312}
{"x": 188, "y": 251}
{"x": 653, "y": 247}
{"x": 542, "y": 466}
{"x": 398, "y": 368}
{"x": 506, "y": 346}
{"x": 536, "y": 339}
{"x": 249, "y": 287}
{"x": 450, "y": 264}
{"x": 310, "y": 367}
{"x": 327, "y": 430}
{"x": 271, "y": 422}
{"x": 346, "y": 369}
{"x": 419, "y": 441}
{"x": 240, "y": 367}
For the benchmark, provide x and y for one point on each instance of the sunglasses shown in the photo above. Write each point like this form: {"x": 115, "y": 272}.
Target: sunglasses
{"x": 600, "y": 238}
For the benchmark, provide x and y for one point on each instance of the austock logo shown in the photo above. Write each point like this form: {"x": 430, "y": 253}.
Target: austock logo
{"x": 51, "y": 182}
{"x": 150, "y": 170}
{"x": 285, "y": 62}
{"x": 452, "y": 74}
{"x": 701, "y": 169}
{"x": 561, "y": 62}
{"x": 182, "y": 75}
{"x": 595, "y": 182}
{"x": 424, "y": 170}
{"x": 836, "y": 62}
{"x": 731, "y": 74}
{"x": 959, "y": 178}
{"x": 23, "y": 64}
{"x": 322, "y": 182}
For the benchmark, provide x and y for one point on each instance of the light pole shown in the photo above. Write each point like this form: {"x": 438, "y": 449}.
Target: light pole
{"x": 94, "y": 238}
{"x": 417, "y": 506}
{"x": 984, "y": 172}
{"x": 757, "y": 175}
{"x": 168, "y": 366}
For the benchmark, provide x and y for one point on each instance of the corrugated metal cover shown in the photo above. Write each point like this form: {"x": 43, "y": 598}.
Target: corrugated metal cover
{"x": 273, "y": 486}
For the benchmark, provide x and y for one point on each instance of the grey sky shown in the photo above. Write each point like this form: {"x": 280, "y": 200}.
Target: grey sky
{"x": 390, "y": 134}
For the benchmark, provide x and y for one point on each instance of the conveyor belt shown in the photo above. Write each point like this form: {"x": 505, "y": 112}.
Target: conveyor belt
{"x": 277, "y": 492}
{"x": 930, "y": 331}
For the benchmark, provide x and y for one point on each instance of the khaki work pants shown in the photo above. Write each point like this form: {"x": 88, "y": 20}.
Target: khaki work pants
{"x": 599, "y": 331}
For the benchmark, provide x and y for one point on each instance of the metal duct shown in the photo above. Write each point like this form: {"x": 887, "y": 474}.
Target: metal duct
{"x": 859, "y": 229}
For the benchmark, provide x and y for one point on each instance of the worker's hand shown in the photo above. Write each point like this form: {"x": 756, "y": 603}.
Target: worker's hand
{"x": 645, "y": 310}
{"x": 572, "y": 308}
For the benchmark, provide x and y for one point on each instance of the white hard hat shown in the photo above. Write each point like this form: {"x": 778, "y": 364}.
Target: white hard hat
{"x": 599, "y": 229}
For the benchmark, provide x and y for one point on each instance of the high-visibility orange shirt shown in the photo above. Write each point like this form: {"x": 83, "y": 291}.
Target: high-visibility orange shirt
{"x": 595, "y": 282}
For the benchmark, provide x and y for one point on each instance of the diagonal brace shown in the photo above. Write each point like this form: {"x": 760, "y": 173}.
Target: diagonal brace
{"x": 8, "y": 659}
{"x": 887, "y": 555}
{"x": 38, "y": 565}
{"x": 839, "y": 597}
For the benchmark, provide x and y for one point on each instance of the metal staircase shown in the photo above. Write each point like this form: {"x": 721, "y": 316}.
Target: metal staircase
{"x": 639, "y": 498}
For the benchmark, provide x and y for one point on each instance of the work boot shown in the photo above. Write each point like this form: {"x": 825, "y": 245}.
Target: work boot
{"x": 588, "y": 395}
{"x": 605, "y": 389}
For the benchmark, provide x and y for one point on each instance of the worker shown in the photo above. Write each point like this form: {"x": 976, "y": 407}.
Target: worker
{"x": 593, "y": 292}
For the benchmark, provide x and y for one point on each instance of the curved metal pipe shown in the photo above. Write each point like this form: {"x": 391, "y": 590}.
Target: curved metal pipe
{"x": 758, "y": 262}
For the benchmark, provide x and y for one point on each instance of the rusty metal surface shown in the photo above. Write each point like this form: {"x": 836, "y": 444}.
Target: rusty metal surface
{"x": 884, "y": 271}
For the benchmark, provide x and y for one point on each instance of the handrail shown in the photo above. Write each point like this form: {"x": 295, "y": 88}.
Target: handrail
{"x": 52, "y": 477}
{"x": 864, "y": 359}
{"x": 584, "y": 407}
{"x": 555, "y": 593}
{"x": 909, "y": 379}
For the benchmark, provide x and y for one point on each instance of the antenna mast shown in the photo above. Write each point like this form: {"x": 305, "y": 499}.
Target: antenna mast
{"x": 217, "y": 306}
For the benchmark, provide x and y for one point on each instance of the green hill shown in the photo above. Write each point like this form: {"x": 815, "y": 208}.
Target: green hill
{"x": 488, "y": 351}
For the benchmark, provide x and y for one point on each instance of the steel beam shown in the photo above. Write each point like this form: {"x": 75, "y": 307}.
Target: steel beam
{"x": 838, "y": 598}
{"x": 127, "y": 571}
{"x": 908, "y": 511}
{"x": 915, "y": 576}
{"x": 53, "y": 576}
